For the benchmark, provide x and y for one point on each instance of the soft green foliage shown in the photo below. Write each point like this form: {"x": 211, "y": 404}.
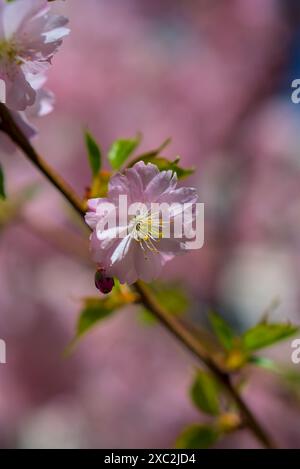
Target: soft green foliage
{"x": 222, "y": 330}
{"x": 171, "y": 296}
{"x": 197, "y": 436}
{"x": 94, "y": 311}
{"x": 265, "y": 334}
{"x": 164, "y": 164}
{"x": 208, "y": 396}
{"x": 97, "y": 309}
{"x": 257, "y": 337}
{"x": 152, "y": 153}
{"x": 205, "y": 393}
{"x": 94, "y": 153}
{"x": 2, "y": 188}
{"x": 265, "y": 363}
{"x": 120, "y": 151}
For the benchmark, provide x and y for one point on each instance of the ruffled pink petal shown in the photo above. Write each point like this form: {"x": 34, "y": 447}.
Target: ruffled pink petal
{"x": 17, "y": 13}
{"x": 124, "y": 268}
{"x": 118, "y": 185}
{"x": 43, "y": 105}
{"x": 163, "y": 182}
{"x": 182, "y": 195}
{"x": 146, "y": 172}
{"x": 19, "y": 93}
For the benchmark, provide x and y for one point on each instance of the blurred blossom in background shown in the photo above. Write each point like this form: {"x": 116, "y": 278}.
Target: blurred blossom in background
{"x": 216, "y": 77}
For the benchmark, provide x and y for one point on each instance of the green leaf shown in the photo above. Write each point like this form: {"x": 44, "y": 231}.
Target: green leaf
{"x": 164, "y": 164}
{"x": 121, "y": 150}
{"x": 222, "y": 330}
{"x": 265, "y": 363}
{"x": 265, "y": 334}
{"x": 171, "y": 296}
{"x": 96, "y": 309}
{"x": 2, "y": 188}
{"x": 205, "y": 393}
{"x": 197, "y": 437}
{"x": 94, "y": 153}
{"x": 151, "y": 153}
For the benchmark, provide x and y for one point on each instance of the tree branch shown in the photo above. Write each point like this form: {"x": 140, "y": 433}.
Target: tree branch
{"x": 9, "y": 126}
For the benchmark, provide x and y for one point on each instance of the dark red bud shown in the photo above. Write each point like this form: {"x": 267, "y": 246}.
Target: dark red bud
{"x": 103, "y": 283}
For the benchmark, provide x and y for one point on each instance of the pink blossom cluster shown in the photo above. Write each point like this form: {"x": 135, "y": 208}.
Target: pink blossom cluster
{"x": 29, "y": 37}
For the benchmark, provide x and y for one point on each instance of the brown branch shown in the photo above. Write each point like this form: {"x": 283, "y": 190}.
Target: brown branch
{"x": 175, "y": 327}
{"x": 9, "y": 126}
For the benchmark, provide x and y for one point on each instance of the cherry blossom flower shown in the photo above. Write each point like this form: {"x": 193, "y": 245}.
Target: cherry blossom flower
{"x": 29, "y": 37}
{"x": 139, "y": 248}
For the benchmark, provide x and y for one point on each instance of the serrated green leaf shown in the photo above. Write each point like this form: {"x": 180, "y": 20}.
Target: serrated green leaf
{"x": 205, "y": 393}
{"x": 2, "y": 187}
{"x": 94, "y": 153}
{"x": 197, "y": 437}
{"x": 222, "y": 330}
{"x": 164, "y": 164}
{"x": 265, "y": 334}
{"x": 121, "y": 150}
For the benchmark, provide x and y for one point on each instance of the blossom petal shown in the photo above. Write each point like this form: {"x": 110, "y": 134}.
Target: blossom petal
{"x": 165, "y": 181}
{"x": 18, "y": 12}
{"x": 147, "y": 172}
{"x": 148, "y": 264}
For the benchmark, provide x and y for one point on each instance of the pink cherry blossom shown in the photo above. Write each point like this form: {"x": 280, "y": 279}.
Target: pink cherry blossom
{"x": 29, "y": 37}
{"x": 139, "y": 249}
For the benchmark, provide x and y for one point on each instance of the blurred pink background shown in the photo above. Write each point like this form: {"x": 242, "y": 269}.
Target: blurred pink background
{"x": 216, "y": 77}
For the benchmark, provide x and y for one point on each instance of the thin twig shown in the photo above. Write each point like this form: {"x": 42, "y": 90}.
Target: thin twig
{"x": 9, "y": 126}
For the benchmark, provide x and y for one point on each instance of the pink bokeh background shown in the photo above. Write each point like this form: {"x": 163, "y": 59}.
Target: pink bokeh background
{"x": 215, "y": 76}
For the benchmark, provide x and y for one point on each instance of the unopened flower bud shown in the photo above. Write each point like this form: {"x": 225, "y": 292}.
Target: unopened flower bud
{"x": 103, "y": 283}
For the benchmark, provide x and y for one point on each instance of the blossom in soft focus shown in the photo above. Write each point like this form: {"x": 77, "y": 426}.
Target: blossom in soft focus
{"x": 44, "y": 102}
{"x": 42, "y": 106}
{"x": 139, "y": 248}
{"x": 29, "y": 36}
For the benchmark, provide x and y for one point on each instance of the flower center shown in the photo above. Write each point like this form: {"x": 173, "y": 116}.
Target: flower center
{"x": 8, "y": 51}
{"x": 146, "y": 229}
